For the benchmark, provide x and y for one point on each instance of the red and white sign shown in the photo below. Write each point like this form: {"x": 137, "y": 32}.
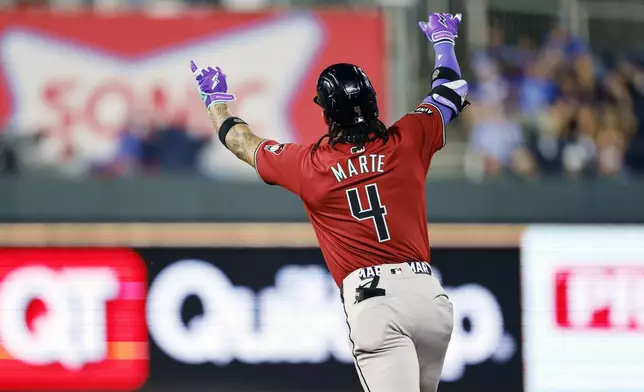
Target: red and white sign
{"x": 72, "y": 319}
{"x": 85, "y": 78}
{"x": 583, "y": 308}
{"x": 600, "y": 298}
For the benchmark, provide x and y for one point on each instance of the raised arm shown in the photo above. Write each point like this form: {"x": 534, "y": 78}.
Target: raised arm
{"x": 233, "y": 132}
{"x": 448, "y": 88}
{"x": 240, "y": 139}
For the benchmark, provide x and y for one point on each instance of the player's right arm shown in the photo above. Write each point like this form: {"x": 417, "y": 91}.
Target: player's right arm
{"x": 233, "y": 132}
{"x": 276, "y": 164}
{"x": 447, "y": 96}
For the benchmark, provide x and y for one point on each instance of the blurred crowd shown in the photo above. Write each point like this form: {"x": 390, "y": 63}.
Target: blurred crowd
{"x": 149, "y": 150}
{"x": 554, "y": 108}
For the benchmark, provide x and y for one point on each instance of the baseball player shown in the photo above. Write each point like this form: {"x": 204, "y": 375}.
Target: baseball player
{"x": 363, "y": 186}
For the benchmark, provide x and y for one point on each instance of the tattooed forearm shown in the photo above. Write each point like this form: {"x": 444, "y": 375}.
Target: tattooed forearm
{"x": 240, "y": 140}
{"x": 218, "y": 114}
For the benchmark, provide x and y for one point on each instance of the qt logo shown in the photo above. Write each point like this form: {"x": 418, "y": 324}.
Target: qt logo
{"x": 72, "y": 319}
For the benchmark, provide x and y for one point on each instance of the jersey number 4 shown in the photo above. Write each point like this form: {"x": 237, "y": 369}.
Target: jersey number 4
{"x": 376, "y": 210}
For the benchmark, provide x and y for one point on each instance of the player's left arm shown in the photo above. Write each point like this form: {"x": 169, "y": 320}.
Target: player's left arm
{"x": 448, "y": 89}
{"x": 446, "y": 99}
{"x": 234, "y": 133}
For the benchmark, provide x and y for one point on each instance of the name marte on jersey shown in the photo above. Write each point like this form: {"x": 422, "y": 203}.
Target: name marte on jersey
{"x": 363, "y": 164}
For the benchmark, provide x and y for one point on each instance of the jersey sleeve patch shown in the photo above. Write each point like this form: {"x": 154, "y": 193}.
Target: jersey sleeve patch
{"x": 424, "y": 109}
{"x": 275, "y": 148}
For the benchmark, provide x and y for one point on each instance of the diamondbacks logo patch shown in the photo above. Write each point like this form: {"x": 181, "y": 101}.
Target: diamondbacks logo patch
{"x": 423, "y": 109}
{"x": 275, "y": 148}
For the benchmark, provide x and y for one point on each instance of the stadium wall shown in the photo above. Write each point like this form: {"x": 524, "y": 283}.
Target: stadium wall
{"x": 198, "y": 200}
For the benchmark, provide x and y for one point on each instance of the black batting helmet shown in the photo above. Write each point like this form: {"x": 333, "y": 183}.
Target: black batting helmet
{"x": 346, "y": 94}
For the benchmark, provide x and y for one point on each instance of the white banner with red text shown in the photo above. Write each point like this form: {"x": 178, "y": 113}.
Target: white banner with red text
{"x": 91, "y": 89}
{"x": 583, "y": 308}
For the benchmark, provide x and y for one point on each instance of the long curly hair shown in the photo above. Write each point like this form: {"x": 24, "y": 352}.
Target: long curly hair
{"x": 358, "y": 135}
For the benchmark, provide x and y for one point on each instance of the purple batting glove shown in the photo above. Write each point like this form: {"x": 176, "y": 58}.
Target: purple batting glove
{"x": 441, "y": 28}
{"x": 212, "y": 85}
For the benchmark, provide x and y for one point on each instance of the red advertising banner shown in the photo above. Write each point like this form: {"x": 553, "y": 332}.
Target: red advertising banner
{"x": 81, "y": 80}
{"x": 72, "y": 319}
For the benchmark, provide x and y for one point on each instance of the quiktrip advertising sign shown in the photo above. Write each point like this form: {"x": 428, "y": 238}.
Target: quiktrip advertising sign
{"x": 275, "y": 313}
{"x": 226, "y": 319}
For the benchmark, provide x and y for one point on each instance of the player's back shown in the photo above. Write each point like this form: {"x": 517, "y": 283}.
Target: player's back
{"x": 367, "y": 206}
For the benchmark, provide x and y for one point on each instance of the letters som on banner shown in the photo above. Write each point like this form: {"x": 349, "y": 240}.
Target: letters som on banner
{"x": 72, "y": 319}
{"x": 136, "y": 81}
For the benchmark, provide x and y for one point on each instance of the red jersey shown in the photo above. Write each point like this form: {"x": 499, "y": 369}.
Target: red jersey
{"x": 367, "y": 207}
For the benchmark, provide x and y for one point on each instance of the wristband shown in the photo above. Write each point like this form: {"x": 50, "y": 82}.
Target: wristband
{"x": 226, "y": 126}
{"x": 445, "y": 73}
{"x": 443, "y": 37}
{"x": 450, "y": 98}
